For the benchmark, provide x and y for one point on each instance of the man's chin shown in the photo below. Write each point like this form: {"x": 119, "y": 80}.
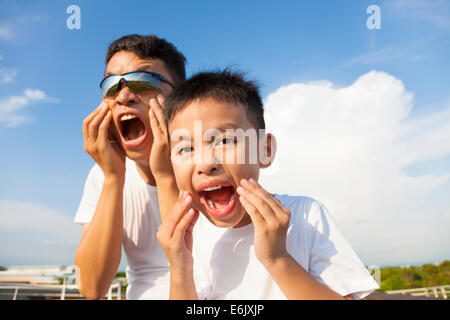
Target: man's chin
{"x": 138, "y": 154}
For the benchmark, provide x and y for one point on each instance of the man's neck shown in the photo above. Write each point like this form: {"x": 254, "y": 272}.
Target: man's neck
{"x": 143, "y": 167}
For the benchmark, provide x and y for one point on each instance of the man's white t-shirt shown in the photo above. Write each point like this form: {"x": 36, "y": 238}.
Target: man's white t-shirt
{"x": 226, "y": 267}
{"x": 148, "y": 269}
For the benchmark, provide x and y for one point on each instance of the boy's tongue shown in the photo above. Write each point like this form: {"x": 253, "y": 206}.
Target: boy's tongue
{"x": 221, "y": 197}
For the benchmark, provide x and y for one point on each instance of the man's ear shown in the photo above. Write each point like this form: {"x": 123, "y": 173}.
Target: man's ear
{"x": 267, "y": 150}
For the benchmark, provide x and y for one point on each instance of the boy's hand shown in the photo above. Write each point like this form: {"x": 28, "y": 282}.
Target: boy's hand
{"x": 160, "y": 154}
{"x": 100, "y": 143}
{"x": 175, "y": 235}
{"x": 270, "y": 219}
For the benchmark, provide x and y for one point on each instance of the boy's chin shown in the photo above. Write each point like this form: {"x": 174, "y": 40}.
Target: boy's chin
{"x": 233, "y": 220}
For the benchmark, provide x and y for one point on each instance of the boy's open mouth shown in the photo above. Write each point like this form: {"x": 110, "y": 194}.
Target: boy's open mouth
{"x": 219, "y": 200}
{"x": 132, "y": 130}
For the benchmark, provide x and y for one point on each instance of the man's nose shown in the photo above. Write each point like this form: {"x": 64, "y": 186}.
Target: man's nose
{"x": 125, "y": 95}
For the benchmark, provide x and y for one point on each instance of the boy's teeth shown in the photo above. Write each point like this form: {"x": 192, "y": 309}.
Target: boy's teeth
{"x": 210, "y": 203}
{"x": 127, "y": 117}
{"x": 212, "y": 188}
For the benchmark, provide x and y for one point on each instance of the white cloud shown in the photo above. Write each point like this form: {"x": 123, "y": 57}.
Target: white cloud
{"x": 5, "y": 32}
{"x": 33, "y": 233}
{"x": 7, "y": 75}
{"x": 348, "y": 148}
{"x": 29, "y": 216}
{"x": 10, "y": 106}
{"x": 434, "y": 12}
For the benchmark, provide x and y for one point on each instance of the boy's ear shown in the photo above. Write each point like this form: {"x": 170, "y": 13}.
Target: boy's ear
{"x": 267, "y": 150}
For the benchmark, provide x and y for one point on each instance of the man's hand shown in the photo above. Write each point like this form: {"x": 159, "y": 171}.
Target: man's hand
{"x": 270, "y": 219}
{"x": 175, "y": 236}
{"x": 160, "y": 154}
{"x": 100, "y": 144}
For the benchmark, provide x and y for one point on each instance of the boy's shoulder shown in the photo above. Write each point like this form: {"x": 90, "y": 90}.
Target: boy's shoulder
{"x": 298, "y": 202}
{"x": 299, "y": 205}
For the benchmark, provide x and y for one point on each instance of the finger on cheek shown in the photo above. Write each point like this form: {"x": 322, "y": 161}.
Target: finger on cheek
{"x": 160, "y": 98}
{"x": 247, "y": 185}
{"x": 251, "y": 210}
{"x": 241, "y": 191}
{"x": 153, "y": 103}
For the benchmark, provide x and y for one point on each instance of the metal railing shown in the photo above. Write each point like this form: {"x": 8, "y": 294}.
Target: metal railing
{"x": 437, "y": 292}
{"x": 62, "y": 291}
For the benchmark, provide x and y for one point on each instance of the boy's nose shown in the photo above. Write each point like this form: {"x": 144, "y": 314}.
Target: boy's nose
{"x": 207, "y": 165}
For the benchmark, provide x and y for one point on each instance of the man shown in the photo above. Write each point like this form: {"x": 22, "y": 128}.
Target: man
{"x": 120, "y": 199}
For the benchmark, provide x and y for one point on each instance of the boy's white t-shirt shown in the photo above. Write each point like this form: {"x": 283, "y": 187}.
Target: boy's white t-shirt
{"x": 148, "y": 269}
{"x": 225, "y": 265}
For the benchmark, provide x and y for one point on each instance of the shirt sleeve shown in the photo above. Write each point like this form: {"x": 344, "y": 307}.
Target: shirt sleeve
{"x": 333, "y": 261}
{"x": 91, "y": 194}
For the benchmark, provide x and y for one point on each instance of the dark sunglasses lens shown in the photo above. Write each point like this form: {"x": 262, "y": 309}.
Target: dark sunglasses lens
{"x": 137, "y": 82}
{"x": 141, "y": 86}
{"x": 111, "y": 91}
{"x": 109, "y": 86}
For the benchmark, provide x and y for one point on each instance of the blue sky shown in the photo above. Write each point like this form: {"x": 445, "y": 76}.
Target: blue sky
{"x": 50, "y": 75}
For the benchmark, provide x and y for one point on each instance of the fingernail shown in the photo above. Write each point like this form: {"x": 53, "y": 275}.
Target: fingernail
{"x": 253, "y": 181}
{"x": 179, "y": 194}
{"x": 244, "y": 182}
{"x": 188, "y": 198}
{"x": 191, "y": 211}
{"x": 240, "y": 189}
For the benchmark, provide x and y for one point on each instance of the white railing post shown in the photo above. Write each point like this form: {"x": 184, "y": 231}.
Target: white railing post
{"x": 119, "y": 291}
{"x": 110, "y": 293}
{"x": 15, "y": 293}
{"x": 63, "y": 290}
{"x": 444, "y": 294}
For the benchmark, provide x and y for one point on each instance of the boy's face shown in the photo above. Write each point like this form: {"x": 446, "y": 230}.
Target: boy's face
{"x": 135, "y": 134}
{"x": 209, "y": 160}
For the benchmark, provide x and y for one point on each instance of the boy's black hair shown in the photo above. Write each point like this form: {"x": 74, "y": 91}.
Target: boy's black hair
{"x": 225, "y": 86}
{"x": 152, "y": 47}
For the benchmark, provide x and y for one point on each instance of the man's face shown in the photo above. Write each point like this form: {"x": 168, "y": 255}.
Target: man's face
{"x": 130, "y": 110}
{"x": 210, "y": 162}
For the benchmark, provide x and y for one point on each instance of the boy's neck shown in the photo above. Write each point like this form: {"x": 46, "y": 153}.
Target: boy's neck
{"x": 143, "y": 167}
{"x": 246, "y": 220}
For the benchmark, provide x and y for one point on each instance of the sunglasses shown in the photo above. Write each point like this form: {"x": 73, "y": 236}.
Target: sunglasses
{"x": 137, "y": 81}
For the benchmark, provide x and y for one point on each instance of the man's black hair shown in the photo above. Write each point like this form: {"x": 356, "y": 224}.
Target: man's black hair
{"x": 152, "y": 47}
{"x": 223, "y": 86}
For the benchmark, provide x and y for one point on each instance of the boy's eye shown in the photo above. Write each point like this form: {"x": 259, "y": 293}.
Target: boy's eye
{"x": 185, "y": 150}
{"x": 226, "y": 140}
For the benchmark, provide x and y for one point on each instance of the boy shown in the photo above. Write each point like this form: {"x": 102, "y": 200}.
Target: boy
{"x": 256, "y": 245}
{"x": 120, "y": 198}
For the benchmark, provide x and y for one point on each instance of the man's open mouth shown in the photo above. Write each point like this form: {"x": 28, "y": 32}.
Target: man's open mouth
{"x": 132, "y": 130}
{"x": 219, "y": 200}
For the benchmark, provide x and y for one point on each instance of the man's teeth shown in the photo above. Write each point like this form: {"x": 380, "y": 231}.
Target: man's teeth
{"x": 127, "y": 117}
{"x": 212, "y": 188}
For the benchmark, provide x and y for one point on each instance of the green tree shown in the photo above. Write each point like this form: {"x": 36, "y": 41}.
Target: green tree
{"x": 393, "y": 282}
